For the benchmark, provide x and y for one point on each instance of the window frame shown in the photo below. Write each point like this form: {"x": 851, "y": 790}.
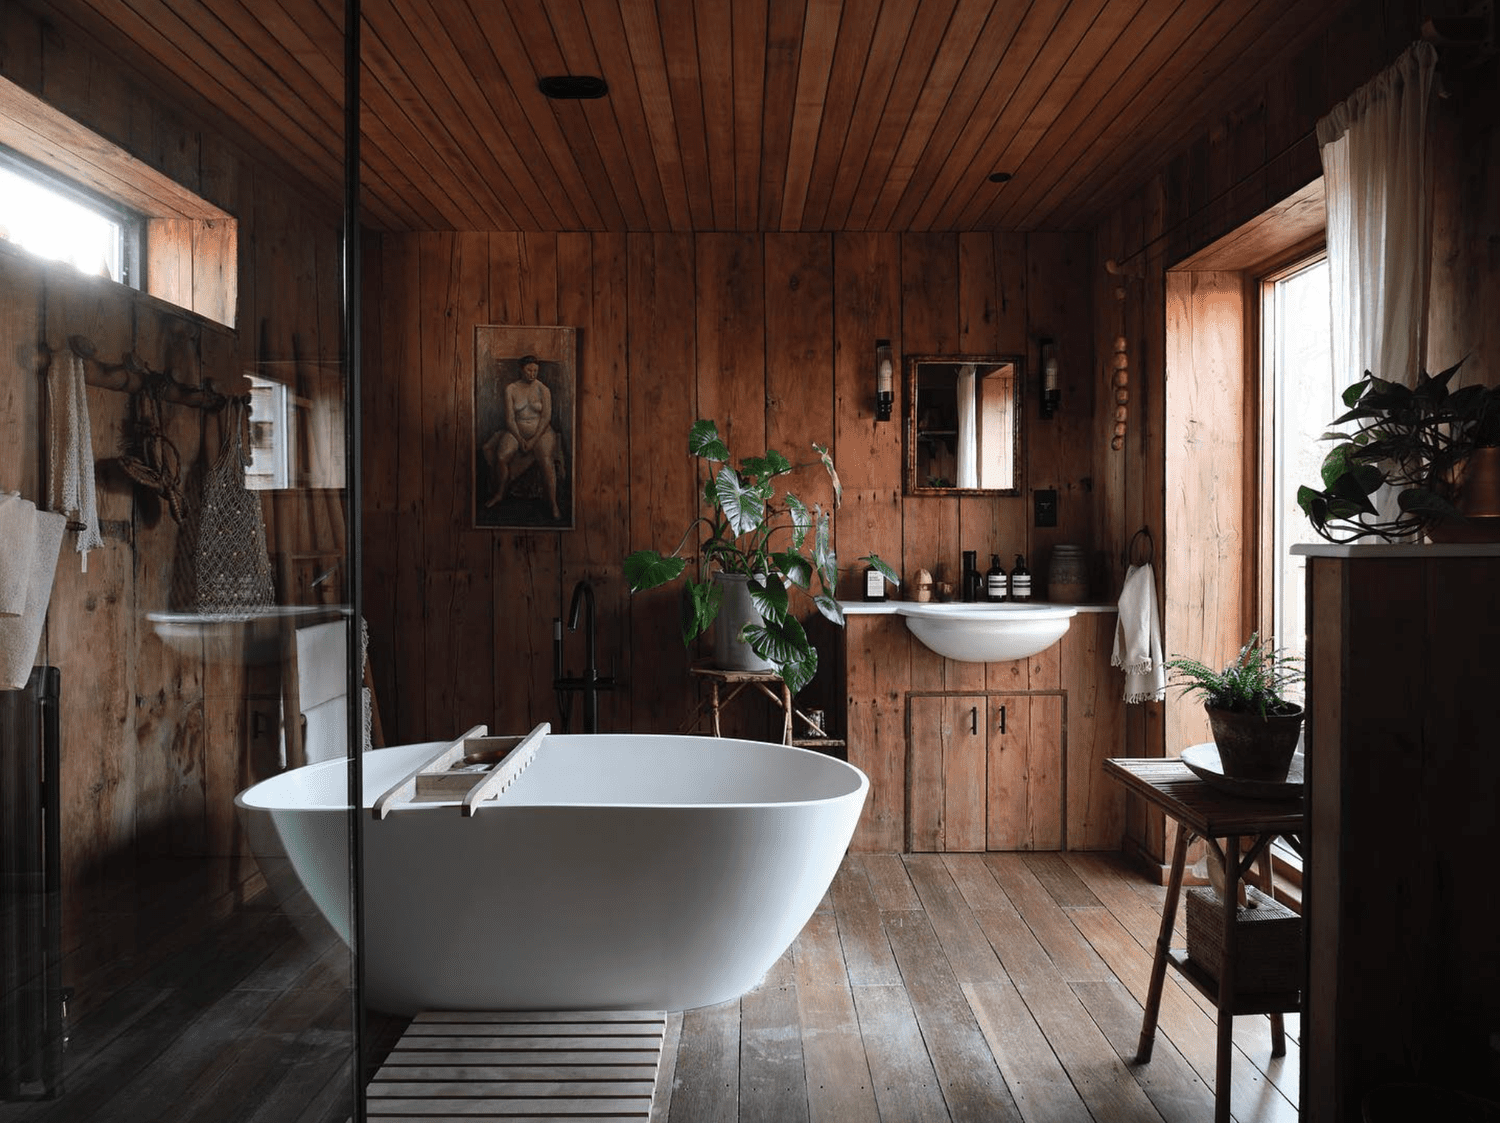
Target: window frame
{"x": 132, "y": 223}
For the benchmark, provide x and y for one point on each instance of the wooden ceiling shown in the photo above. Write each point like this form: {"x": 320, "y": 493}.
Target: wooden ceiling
{"x": 773, "y": 115}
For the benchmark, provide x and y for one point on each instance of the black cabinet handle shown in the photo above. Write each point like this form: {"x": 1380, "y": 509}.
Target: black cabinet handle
{"x": 1002, "y": 719}
{"x": 974, "y": 720}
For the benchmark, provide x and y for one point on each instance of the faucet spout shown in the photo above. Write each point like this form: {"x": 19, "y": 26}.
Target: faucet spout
{"x": 583, "y": 601}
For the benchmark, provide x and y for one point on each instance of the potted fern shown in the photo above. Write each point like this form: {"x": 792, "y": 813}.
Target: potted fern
{"x": 755, "y": 547}
{"x": 1255, "y": 726}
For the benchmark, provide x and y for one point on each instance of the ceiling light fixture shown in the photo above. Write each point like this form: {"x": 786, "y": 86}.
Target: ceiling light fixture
{"x": 573, "y": 87}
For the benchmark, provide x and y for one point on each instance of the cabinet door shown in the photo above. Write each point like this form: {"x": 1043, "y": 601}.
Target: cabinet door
{"x": 1024, "y": 773}
{"x": 946, "y": 780}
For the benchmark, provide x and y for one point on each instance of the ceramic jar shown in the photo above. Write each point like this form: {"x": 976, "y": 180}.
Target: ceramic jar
{"x": 1067, "y": 575}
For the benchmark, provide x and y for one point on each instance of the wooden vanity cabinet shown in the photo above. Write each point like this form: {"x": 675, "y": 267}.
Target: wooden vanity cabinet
{"x": 985, "y": 771}
{"x": 943, "y": 774}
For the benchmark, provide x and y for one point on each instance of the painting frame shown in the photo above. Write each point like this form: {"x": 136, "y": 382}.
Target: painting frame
{"x": 521, "y": 374}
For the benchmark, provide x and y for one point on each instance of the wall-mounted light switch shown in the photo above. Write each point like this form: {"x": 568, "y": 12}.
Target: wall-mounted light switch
{"x": 1045, "y": 500}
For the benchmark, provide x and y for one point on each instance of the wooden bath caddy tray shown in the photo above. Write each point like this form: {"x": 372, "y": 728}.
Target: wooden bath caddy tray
{"x": 469, "y": 769}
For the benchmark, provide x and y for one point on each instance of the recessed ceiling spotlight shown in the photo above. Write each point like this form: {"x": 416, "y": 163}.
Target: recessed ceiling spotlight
{"x": 573, "y": 87}
{"x": 999, "y": 177}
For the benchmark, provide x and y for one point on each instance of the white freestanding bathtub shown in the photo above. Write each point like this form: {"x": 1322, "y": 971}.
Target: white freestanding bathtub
{"x": 618, "y": 871}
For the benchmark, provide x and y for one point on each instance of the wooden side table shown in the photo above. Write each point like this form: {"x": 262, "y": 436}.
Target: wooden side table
{"x": 1203, "y": 811}
{"x": 768, "y": 683}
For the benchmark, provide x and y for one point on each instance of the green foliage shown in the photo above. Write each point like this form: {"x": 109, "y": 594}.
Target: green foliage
{"x": 744, "y": 515}
{"x": 1255, "y": 682}
{"x": 1407, "y": 438}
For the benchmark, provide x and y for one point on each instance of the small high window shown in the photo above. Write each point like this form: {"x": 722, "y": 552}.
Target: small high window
{"x": 47, "y": 215}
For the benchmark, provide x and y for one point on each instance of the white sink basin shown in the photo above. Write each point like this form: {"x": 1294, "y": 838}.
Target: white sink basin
{"x": 987, "y": 633}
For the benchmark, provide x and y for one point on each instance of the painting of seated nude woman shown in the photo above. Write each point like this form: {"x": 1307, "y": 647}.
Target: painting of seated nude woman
{"x": 524, "y": 393}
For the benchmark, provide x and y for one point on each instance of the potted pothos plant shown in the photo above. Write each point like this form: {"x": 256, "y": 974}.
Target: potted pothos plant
{"x": 754, "y": 546}
{"x": 1255, "y": 726}
{"x": 1417, "y": 440}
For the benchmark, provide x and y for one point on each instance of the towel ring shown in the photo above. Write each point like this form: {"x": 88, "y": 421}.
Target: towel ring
{"x": 1130, "y": 548}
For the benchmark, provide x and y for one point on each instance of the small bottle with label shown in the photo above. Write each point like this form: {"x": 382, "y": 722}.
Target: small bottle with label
{"x": 874, "y": 584}
{"x": 1020, "y": 580}
{"x": 994, "y": 580}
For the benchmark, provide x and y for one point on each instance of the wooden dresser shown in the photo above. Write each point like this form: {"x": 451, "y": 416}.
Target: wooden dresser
{"x": 1402, "y": 807}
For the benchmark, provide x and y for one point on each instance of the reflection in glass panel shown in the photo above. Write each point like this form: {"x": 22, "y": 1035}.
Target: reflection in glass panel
{"x": 157, "y": 963}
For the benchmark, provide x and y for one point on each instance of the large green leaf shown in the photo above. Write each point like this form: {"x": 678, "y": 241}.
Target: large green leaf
{"x": 883, "y": 569}
{"x": 743, "y": 505}
{"x": 784, "y": 643}
{"x": 766, "y": 467}
{"x": 646, "y": 569}
{"x": 700, "y": 607}
{"x": 793, "y": 567}
{"x": 703, "y": 440}
{"x": 768, "y": 595}
{"x": 801, "y": 520}
{"x": 824, "y": 560}
{"x": 829, "y": 606}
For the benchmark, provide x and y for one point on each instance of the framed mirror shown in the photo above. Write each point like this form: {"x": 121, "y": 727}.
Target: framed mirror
{"x": 963, "y": 425}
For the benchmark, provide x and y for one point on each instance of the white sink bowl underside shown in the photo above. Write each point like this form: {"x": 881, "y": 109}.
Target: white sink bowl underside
{"x": 987, "y": 633}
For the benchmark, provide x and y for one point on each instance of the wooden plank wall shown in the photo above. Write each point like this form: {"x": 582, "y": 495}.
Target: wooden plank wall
{"x": 770, "y": 335}
{"x": 155, "y": 740}
{"x": 1260, "y": 151}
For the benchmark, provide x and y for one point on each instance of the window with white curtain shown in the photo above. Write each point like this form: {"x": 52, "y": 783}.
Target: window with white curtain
{"x": 1298, "y": 401}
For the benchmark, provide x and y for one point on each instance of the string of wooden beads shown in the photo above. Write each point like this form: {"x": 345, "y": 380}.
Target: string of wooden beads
{"x": 1120, "y": 365}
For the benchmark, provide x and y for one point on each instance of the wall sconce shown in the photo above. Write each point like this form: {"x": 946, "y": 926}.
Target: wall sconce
{"x": 1051, "y": 396}
{"x": 885, "y": 394}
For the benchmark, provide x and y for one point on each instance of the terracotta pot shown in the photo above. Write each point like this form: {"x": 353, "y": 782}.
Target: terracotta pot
{"x": 736, "y": 609}
{"x": 1252, "y": 747}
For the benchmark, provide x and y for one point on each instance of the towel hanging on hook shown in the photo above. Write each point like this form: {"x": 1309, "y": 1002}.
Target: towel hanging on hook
{"x": 1128, "y": 558}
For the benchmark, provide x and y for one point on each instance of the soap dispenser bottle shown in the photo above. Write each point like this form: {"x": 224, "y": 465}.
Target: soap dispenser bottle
{"x": 994, "y": 580}
{"x": 1020, "y": 580}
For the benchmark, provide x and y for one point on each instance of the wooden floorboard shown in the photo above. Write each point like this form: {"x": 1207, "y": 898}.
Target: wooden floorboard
{"x": 985, "y": 987}
{"x": 925, "y": 987}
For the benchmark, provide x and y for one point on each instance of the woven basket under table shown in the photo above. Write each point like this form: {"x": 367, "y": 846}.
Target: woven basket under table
{"x": 1268, "y": 942}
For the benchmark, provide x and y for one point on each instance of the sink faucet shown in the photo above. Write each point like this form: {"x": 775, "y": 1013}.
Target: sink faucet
{"x": 590, "y": 683}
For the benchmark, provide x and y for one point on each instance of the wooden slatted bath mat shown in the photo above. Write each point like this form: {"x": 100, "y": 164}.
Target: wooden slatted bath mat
{"x": 514, "y": 1066}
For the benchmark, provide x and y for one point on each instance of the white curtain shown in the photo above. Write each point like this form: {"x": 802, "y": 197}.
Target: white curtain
{"x": 1378, "y": 201}
{"x": 968, "y": 440}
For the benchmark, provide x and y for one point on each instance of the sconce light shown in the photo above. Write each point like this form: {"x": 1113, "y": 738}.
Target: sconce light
{"x": 885, "y": 394}
{"x": 1051, "y": 396}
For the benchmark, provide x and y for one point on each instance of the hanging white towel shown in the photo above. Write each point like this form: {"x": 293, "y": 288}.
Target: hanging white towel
{"x": 72, "y": 490}
{"x": 1138, "y": 638}
{"x": 17, "y": 544}
{"x": 19, "y": 635}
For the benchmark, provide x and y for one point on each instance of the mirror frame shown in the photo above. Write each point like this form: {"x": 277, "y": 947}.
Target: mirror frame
{"x": 1018, "y": 451}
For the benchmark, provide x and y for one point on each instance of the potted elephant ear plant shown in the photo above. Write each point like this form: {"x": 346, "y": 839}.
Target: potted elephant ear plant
{"x": 755, "y": 547}
{"x": 1255, "y": 726}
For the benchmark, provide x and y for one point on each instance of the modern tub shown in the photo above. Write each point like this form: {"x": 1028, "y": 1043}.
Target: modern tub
{"x": 618, "y": 871}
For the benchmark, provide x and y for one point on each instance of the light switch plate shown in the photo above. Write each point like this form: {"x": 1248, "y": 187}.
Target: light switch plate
{"x": 1045, "y": 500}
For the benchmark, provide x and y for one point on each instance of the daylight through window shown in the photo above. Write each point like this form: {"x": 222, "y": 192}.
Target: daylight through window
{"x": 59, "y": 225}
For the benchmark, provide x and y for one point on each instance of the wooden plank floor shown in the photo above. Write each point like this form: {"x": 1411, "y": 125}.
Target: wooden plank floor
{"x": 990, "y": 987}
{"x": 945, "y": 987}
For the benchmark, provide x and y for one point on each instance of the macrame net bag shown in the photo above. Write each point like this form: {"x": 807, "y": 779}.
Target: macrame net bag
{"x": 232, "y": 568}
